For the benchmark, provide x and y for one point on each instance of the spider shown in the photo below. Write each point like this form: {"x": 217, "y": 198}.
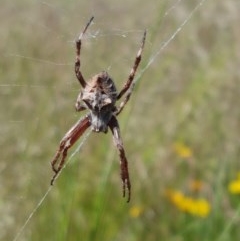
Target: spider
{"x": 98, "y": 95}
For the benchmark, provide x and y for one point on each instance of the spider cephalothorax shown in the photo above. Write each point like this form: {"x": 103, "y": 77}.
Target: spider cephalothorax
{"x": 98, "y": 95}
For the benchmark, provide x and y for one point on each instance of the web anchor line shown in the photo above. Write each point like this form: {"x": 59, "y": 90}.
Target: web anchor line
{"x": 39, "y": 204}
{"x": 169, "y": 40}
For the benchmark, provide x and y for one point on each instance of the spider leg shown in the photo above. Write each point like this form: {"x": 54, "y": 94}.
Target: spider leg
{"x": 113, "y": 124}
{"x": 68, "y": 140}
{"x": 80, "y": 105}
{"x": 78, "y": 51}
{"x": 133, "y": 70}
{"x": 124, "y": 102}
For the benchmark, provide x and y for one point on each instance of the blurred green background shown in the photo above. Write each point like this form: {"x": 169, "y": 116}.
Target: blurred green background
{"x": 180, "y": 129}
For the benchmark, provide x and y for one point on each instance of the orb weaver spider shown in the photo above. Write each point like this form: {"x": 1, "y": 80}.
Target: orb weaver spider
{"x": 99, "y": 95}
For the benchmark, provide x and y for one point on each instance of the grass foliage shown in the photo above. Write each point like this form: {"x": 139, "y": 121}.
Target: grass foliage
{"x": 180, "y": 129}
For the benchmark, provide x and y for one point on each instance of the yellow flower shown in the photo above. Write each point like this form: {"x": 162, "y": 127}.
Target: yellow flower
{"x": 234, "y": 186}
{"x": 203, "y": 207}
{"x": 182, "y": 150}
{"x": 196, "y": 207}
{"x": 135, "y": 211}
{"x": 175, "y": 196}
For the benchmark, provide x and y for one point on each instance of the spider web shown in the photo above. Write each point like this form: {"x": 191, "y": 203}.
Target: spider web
{"x": 91, "y": 35}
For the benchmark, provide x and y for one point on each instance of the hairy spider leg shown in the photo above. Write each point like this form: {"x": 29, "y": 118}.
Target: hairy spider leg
{"x": 130, "y": 84}
{"x": 114, "y": 126}
{"x": 78, "y": 51}
{"x": 134, "y": 68}
{"x": 68, "y": 140}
